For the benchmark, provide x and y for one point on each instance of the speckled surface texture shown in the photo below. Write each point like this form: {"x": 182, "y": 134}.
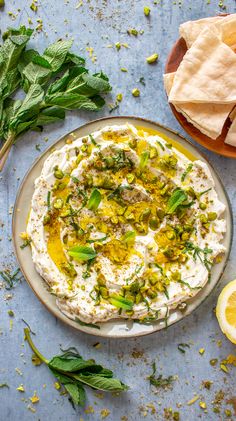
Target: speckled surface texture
{"x": 99, "y": 24}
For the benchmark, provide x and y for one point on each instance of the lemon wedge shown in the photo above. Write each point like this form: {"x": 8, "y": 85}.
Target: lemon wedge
{"x": 226, "y": 311}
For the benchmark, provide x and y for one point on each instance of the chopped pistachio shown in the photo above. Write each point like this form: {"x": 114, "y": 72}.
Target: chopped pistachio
{"x": 132, "y": 31}
{"x": 123, "y": 69}
{"x": 201, "y": 351}
{"x": 202, "y": 405}
{"x": 136, "y": 92}
{"x": 146, "y": 10}
{"x": 118, "y": 46}
{"x": 152, "y": 59}
{"x": 21, "y": 388}
{"x": 119, "y": 97}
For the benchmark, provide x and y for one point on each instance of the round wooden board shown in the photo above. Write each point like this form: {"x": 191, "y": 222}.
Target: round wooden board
{"x": 218, "y": 146}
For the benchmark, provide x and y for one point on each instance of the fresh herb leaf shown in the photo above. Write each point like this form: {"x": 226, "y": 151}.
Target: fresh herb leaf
{"x": 82, "y": 253}
{"x": 94, "y": 200}
{"x": 160, "y": 381}
{"x": 121, "y": 302}
{"x": 186, "y": 172}
{"x": 73, "y": 372}
{"x": 200, "y": 253}
{"x": 48, "y": 96}
{"x": 144, "y": 157}
{"x": 176, "y": 199}
{"x": 129, "y": 237}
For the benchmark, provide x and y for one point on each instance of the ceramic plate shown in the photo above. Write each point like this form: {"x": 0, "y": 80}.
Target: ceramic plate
{"x": 115, "y": 328}
{"x": 216, "y": 145}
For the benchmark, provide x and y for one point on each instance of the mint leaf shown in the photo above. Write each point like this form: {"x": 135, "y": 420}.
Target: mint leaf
{"x": 94, "y": 200}
{"x": 82, "y": 253}
{"x": 177, "y": 197}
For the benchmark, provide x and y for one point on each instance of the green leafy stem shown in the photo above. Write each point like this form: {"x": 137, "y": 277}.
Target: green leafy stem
{"x": 73, "y": 372}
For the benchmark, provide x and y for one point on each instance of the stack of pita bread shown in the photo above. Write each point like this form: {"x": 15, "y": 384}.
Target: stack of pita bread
{"x": 203, "y": 88}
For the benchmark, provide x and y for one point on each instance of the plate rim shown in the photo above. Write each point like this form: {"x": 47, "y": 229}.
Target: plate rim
{"x": 179, "y": 117}
{"x": 66, "y": 320}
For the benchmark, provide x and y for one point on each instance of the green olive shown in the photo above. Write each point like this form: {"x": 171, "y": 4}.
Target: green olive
{"x": 211, "y": 216}
{"x": 58, "y": 203}
{"x": 154, "y": 223}
{"x": 202, "y": 206}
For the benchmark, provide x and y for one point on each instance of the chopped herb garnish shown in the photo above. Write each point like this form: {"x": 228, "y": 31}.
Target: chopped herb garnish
{"x": 26, "y": 243}
{"x": 159, "y": 381}
{"x": 49, "y": 201}
{"x": 186, "y": 172}
{"x": 204, "y": 192}
{"x": 142, "y": 81}
{"x": 4, "y": 385}
{"x": 73, "y": 372}
{"x": 93, "y": 141}
{"x": 161, "y": 145}
{"x": 11, "y": 279}
{"x": 97, "y": 240}
{"x": 182, "y": 346}
{"x": 200, "y": 253}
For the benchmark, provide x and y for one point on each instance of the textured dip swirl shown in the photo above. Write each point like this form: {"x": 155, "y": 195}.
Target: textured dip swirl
{"x": 124, "y": 225}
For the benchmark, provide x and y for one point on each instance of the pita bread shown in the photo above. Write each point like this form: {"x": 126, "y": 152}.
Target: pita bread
{"x": 206, "y": 73}
{"x": 231, "y": 135}
{"x": 191, "y": 29}
{"x": 208, "y": 118}
{"x": 227, "y": 30}
{"x": 232, "y": 115}
{"x": 226, "y": 26}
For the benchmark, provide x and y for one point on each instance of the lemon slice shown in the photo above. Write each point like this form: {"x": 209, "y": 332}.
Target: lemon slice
{"x": 226, "y": 311}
